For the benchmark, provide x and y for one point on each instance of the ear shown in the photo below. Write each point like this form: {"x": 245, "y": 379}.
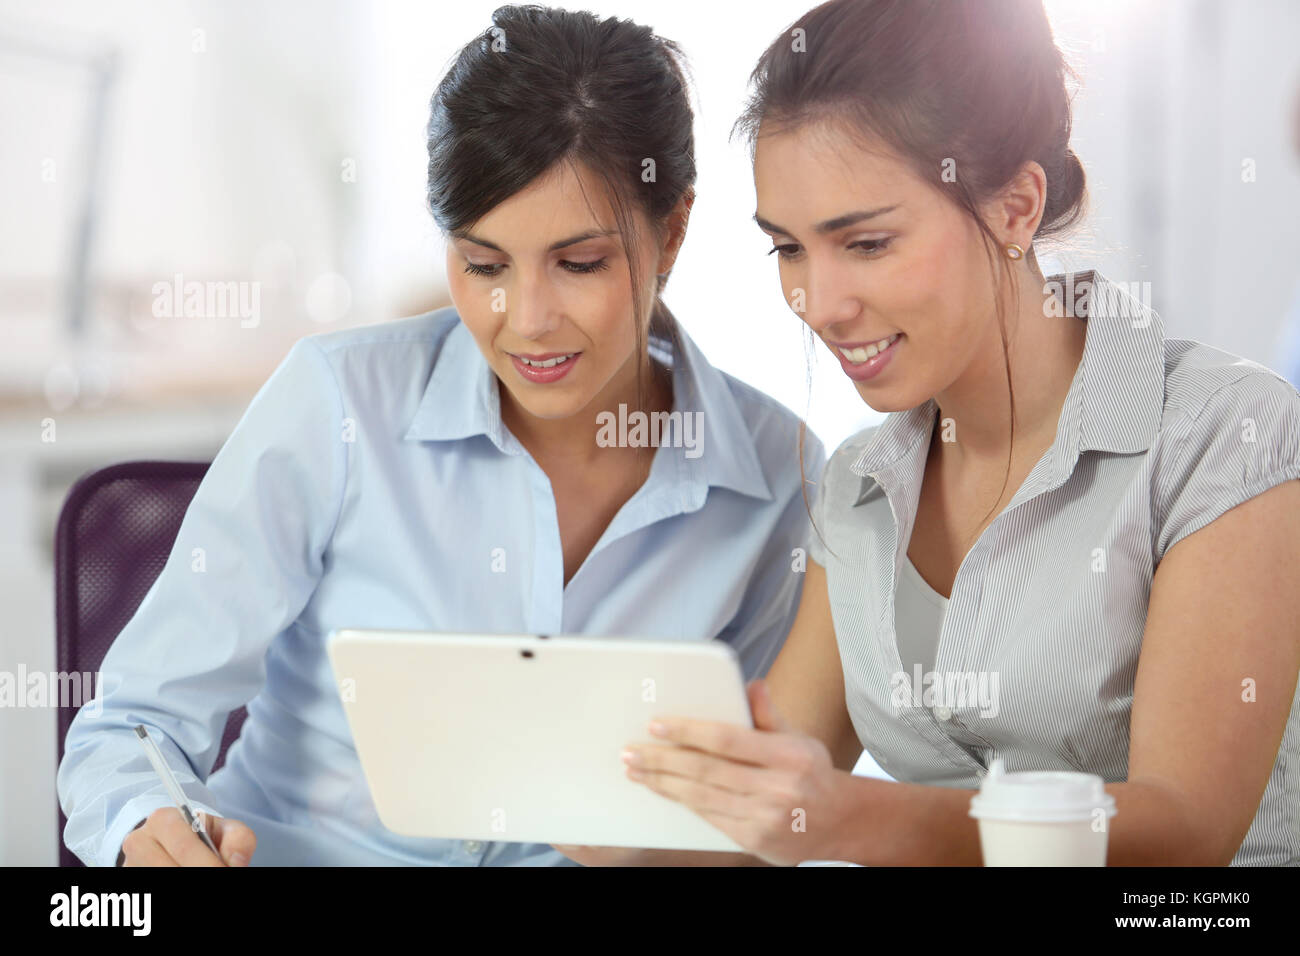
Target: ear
{"x": 1014, "y": 214}
{"x": 675, "y": 232}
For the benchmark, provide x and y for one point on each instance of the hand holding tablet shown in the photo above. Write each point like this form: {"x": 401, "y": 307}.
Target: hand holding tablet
{"x": 517, "y": 737}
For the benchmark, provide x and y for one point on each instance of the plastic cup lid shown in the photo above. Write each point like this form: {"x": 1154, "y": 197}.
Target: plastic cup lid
{"x": 1040, "y": 796}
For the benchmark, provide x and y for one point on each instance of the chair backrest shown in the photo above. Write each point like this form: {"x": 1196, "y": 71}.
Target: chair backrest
{"x": 115, "y": 531}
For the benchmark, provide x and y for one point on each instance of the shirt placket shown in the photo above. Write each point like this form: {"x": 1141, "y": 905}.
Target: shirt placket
{"x": 923, "y": 720}
{"x": 546, "y": 610}
{"x": 972, "y": 655}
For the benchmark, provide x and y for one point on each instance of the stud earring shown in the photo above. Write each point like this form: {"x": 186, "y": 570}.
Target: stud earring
{"x": 1014, "y": 251}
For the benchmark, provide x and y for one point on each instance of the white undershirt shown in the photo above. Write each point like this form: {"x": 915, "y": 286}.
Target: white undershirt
{"x": 918, "y": 618}
{"x": 918, "y": 608}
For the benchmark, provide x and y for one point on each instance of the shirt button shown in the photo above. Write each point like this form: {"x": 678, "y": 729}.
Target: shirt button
{"x": 943, "y": 713}
{"x": 473, "y": 846}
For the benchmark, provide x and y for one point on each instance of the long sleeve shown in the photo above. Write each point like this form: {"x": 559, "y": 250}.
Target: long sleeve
{"x": 247, "y": 558}
{"x": 771, "y": 599}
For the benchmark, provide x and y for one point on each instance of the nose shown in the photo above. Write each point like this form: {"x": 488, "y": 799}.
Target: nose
{"x": 829, "y": 296}
{"x": 532, "y": 309}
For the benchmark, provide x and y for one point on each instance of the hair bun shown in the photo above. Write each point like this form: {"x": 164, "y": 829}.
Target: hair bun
{"x": 1069, "y": 195}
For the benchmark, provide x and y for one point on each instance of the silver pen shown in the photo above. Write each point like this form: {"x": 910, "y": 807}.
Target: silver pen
{"x": 173, "y": 788}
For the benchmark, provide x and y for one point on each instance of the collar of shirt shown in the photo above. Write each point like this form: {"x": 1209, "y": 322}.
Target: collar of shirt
{"x": 1114, "y": 404}
{"x": 462, "y": 400}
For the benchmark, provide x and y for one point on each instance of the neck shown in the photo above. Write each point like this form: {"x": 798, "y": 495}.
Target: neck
{"x": 571, "y": 441}
{"x": 1044, "y": 349}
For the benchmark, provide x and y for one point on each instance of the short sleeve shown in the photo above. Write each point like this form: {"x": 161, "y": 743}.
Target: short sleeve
{"x": 1243, "y": 441}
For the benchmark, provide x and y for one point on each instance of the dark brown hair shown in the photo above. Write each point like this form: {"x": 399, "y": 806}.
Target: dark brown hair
{"x": 975, "y": 86}
{"x": 542, "y": 86}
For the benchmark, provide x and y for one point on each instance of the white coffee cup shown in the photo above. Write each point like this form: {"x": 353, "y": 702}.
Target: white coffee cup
{"x": 1042, "y": 818}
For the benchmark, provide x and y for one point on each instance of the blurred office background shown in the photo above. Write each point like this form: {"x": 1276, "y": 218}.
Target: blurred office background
{"x": 281, "y": 144}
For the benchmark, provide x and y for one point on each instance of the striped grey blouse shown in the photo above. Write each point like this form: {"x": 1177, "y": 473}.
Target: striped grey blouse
{"x": 1039, "y": 645}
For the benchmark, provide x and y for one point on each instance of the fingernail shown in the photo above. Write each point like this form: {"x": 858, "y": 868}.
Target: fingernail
{"x": 657, "y": 728}
{"x": 631, "y": 758}
{"x": 238, "y": 859}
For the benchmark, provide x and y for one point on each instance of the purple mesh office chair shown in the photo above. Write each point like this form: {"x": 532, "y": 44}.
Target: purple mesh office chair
{"x": 114, "y": 534}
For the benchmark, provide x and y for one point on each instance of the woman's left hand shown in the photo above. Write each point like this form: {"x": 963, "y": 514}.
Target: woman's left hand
{"x": 772, "y": 789}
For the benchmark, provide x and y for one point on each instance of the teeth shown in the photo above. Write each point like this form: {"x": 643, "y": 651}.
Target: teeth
{"x": 860, "y": 354}
{"x": 549, "y": 363}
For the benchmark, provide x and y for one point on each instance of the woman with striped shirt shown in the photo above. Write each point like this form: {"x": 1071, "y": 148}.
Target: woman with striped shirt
{"x": 1072, "y": 544}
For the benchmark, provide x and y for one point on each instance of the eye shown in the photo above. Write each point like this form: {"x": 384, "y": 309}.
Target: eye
{"x": 488, "y": 270}
{"x": 585, "y": 267}
{"x": 870, "y": 246}
{"x": 787, "y": 251}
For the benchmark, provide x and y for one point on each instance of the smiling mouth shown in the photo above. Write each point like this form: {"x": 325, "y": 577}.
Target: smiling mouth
{"x": 863, "y": 353}
{"x": 548, "y": 361}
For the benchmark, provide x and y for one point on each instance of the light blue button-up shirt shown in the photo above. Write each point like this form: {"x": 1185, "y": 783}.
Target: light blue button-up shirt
{"x": 372, "y": 483}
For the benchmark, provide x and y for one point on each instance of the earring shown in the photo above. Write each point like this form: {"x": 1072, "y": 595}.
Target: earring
{"x": 1014, "y": 251}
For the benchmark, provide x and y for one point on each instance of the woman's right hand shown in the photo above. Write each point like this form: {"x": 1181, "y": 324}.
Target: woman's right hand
{"x": 165, "y": 839}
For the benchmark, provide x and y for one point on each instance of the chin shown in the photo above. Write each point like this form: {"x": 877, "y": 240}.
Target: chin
{"x": 888, "y": 400}
{"x": 551, "y": 408}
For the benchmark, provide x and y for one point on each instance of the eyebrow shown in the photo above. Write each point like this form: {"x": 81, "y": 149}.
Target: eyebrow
{"x": 830, "y": 225}
{"x": 572, "y": 240}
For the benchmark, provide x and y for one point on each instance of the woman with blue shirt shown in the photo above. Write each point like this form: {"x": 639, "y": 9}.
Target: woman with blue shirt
{"x": 448, "y": 473}
{"x": 1072, "y": 544}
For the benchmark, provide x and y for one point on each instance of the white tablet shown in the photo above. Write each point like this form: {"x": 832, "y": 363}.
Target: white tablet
{"x": 517, "y": 738}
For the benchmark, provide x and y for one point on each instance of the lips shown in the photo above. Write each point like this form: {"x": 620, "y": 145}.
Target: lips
{"x": 548, "y": 360}
{"x": 541, "y": 356}
{"x": 859, "y": 352}
{"x": 553, "y": 366}
{"x": 863, "y": 362}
